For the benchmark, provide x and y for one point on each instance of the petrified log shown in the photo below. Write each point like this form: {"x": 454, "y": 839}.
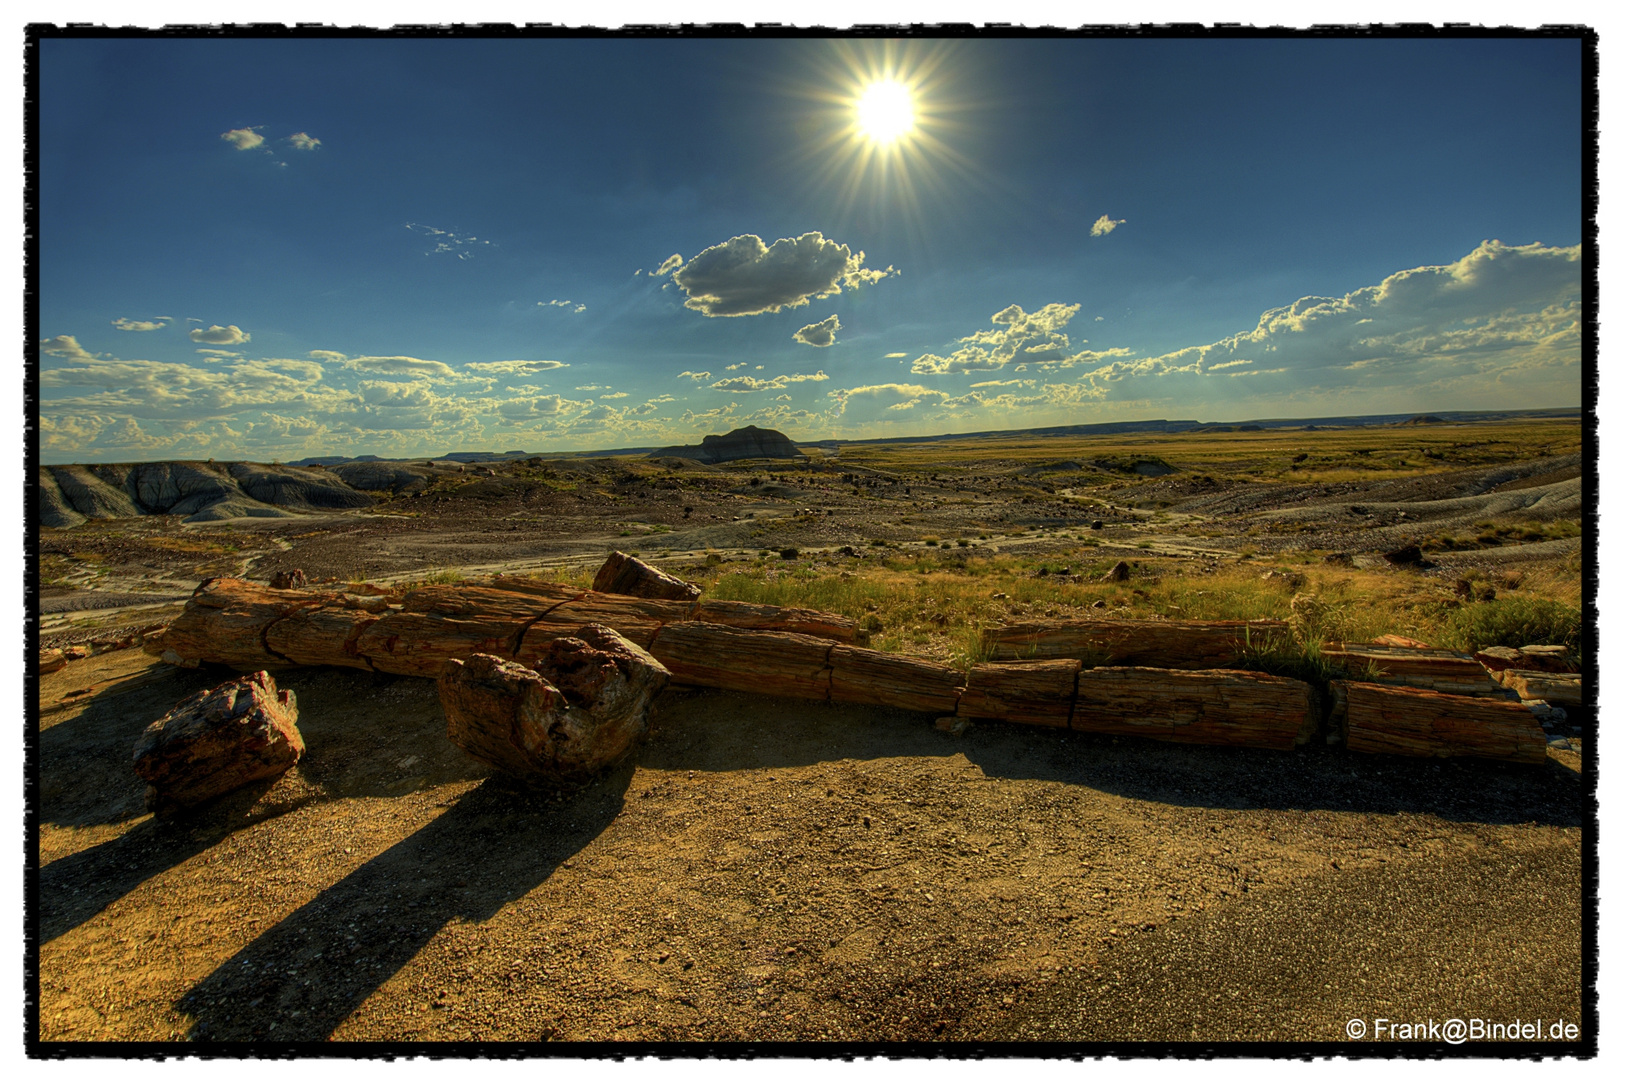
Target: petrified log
{"x": 628, "y": 576}
{"x": 226, "y": 620}
{"x": 1217, "y": 708}
{"x": 1021, "y": 691}
{"x": 52, "y": 660}
{"x": 1442, "y": 670}
{"x": 787, "y": 620}
{"x": 1173, "y": 643}
{"x": 1557, "y": 688}
{"x": 217, "y": 741}
{"x": 868, "y": 677}
{"x": 1423, "y": 723}
{"x": 1401, "y": 642}
{"x": 585, "y": 705}
{"x": 1526, "y": 658}
{"x": 752, "y": 661}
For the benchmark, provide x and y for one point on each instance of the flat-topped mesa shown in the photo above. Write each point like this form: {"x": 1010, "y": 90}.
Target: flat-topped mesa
{"x": 747, "y": 442}
{"x": 1166, "y": 643}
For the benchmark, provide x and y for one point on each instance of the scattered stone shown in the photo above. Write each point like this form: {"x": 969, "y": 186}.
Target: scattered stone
{"x": 954, "y": 725}
{"x": 52, "y": 660}
{"x": 288, "y": 579}
{"x": 1100, "y": 604}
{"x": 627, "y": 576}
{"x": 1405, "y": 556}
{"x": 217, "y": 741}
{"x": 586, "y": 704}
{"x": 75, "y": 652}
{"x": 1120, "y": 572}
{"x": 1096, "y": 524}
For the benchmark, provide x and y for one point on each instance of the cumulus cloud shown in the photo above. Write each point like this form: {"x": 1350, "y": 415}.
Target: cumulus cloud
{"x": 402, "y": 365}
{"x": 743, "y": 276}
{"x": 219, "y": 335}
{"x": 66, "y": 346}
{"x": 244, "y": 138}
{"x": 1105, "y": 225}
{"x": 886, "y": 401}
{"x": 515, "y": 367}
{"x": 894, "y": 356}
{"x": 1015, "y": 331}
{"x": 822, "y": 334}
{"x": 142, "y": 324}
{"x": 748, "y": 384}
{"x": 1502, "y": 312}
{"x": 301, "y": 141}
{"x": 327, "y": 355}
{"x": 698, "y": 376}
{"x": 668, "y": 265}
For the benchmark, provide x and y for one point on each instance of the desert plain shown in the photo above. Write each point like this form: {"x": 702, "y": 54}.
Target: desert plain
{"x": 775, "y": 871}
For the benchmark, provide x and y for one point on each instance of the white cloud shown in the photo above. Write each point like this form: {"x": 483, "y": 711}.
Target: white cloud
{"x": 1015, "y": 330}
{"x": 748, "y": 384}
{"x": 886, "y": 401}
{"x": 218, "y": 354}
{"x": 743, "y": 276}
{"x": 402, "y": 365}
{"x": 576, "y": 309}
{"x": 447, "y": 242}
{"x": 515, "y": 367}
{"x": 142, "y": 324}
{"x": 301, "y": 141}
{"x": 327, "y": 355}
{"x": 894, "y": 356}
{"x": 735, "y": 367}
{"x": 244, "y": 138}
{"x": 219, "y": 335}
{"x": 613, "y": 396}
{"x": 65, "y": 345}
{"x": 821, "y": 335}
{"x": 668, "y": 265}
{"x": 1105, "y": 225}
{"x": 698, "y": 376}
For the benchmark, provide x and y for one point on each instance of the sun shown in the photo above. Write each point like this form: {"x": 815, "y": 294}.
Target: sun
{"x": 885, "y": 111}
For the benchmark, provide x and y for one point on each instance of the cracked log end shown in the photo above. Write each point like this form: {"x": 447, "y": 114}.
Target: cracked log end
{"x": 584, "y": 706}
{"x": 217, "y": 741}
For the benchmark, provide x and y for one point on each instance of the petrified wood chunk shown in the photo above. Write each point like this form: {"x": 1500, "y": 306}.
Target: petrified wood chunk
{"x": 786, "y": 620}
{"x": 634, "y": 577}
{"x": 1442, "y": 670}
{"x": 52, "y": 660}
{"x": 1219, "y": 708}
{"x": 1169, "y": 643}
{"x": 288, "y": 579}
{"x": 1527, "y": 658}
{"x": 584, "y": 708}
{"x": 217, "y": 741}
{"x": 1557, "y": 688}
{"x": 1423, "y": 723}
{"x": 752, "y": 661}
{"x": 868, "y": 677}
{"x": 1021, "y": 691}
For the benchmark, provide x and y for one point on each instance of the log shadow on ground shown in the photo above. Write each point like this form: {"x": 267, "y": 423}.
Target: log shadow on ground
{"x": 719, "y": 731}
{"x": 358, "y": 730}
{"x": 304, "y": 976}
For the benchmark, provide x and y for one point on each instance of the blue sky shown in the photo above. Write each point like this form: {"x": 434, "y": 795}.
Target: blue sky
{"x": 274, "y": 249}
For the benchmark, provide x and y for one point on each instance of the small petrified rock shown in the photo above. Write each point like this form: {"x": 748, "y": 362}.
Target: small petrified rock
{"x": 628, "y": 576}
{"x": 585, "y": 705}
{"x": 1550, "y": 658}
{"x": 217, "y": 741}
{"x": 288, "y": 579}
{"x": 52, "y": 660}
{"x": 1120, "y": 572}
{"x": 1405, "y": 556}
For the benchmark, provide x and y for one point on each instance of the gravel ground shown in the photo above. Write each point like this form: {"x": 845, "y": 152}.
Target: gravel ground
{"x": 776, "y": 870}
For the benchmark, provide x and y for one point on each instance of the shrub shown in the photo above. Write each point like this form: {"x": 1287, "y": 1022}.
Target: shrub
{"x": 1515, "y": 621}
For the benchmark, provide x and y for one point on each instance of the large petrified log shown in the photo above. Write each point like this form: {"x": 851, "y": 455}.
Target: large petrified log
{"x": 1021, "y": 691}
{"x": 752, "y": 661}
{"x": 634, "y": 577}
{"x": 585, "y": 704}
{"x": 868, "y": 677}
{"x": 250, "y": 626}
{"x": 1423, "y": 723}
{"x": 218, "y": 741}
{"x": 1173, "y": 643}
{"x": 1218, "y": 708}
{"x": 1442, "y": 670}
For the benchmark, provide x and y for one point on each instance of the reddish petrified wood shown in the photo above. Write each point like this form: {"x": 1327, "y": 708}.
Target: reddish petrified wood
{"x": 1380, "y": 719}
{"x": 1021, "y": 691}
{"x": 1442, "y": 670}
{"x": 1218, "y": 708}
{"x": 752, "y": 661}
{"x": 218, "y": 741}
{"x": 1169, "y": 643}
{"x": 868, "y": 677}
{"x": 628, "y": 576}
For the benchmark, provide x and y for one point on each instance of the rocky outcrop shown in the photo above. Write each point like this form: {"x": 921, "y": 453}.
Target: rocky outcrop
{"x": 296, "y": 489}
{"x": 746, "y": 442}
{"x": 91, "y": 495}
{"x": 55, "y": 512}
{"x": 218, "y": 741}
{"x": 382, "y": 476}
{"x": 195, "y": 491}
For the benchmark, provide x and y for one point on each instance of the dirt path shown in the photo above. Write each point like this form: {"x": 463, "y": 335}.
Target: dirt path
{"x": 769, "y": 869}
